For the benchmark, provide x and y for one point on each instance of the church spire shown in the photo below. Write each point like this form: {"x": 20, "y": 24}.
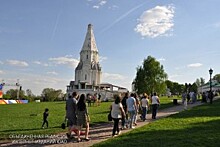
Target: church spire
{"x": 89, "y": 43}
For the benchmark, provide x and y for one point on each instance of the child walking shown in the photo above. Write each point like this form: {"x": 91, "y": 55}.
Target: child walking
{"x": 45, "y": 115}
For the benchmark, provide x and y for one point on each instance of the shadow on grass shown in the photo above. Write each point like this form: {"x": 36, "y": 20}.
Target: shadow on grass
{"x": 205, "y": 110}
{"x": 197, "y": 134}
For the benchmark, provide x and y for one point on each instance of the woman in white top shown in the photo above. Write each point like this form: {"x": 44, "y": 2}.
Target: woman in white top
{"x": 144, "y": 106}
{"x": 116, "y": 112}
{"x": 155, "y": 102}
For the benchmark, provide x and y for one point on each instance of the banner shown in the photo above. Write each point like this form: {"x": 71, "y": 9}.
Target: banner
{"x": 13, "y": 101}
{"x": 1, "y": 94}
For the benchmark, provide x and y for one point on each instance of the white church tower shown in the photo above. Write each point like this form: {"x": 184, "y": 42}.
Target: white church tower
{"x": 88, "y": 71}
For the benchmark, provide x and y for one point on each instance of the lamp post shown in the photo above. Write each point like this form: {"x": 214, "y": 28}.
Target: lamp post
{"x": 210, "y": 92}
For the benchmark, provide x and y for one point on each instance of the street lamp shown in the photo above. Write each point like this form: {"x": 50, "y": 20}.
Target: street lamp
{"x": 210, "y": 93}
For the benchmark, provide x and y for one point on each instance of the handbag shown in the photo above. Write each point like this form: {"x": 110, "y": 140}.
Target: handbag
{"x": 63, "y": 125}
{"x": 109, "y": 116}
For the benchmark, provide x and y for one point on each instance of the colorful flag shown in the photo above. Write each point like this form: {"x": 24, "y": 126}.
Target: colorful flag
{"x": 1, "y": 94}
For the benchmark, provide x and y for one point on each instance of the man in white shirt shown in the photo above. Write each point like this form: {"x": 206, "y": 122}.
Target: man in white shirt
{"x": 155, "y": 103}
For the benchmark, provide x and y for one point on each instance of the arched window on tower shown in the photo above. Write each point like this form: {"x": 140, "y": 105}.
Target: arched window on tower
{"x": 85, "y": 77}
{"x": 87, "y": 56}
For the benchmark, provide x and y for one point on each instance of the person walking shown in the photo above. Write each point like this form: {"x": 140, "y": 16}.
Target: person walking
{"x": 137, "y": 106}
{"x": 45, "y": 115}
{"x": 144, "y": 106}
{"x": 124, "y": 118}
{"x": 155, "y": 102}
{"x": 89, "y": 100}
{"x": 71, "y": 114}
{"x": 82, "y": 117}
{"x": 184, "y": 100}
{"x": 117, "y": 112}
{"x": 132, "y": 109}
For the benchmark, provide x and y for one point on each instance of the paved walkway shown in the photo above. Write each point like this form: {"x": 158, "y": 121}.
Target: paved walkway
{"x": 102, "y": 132}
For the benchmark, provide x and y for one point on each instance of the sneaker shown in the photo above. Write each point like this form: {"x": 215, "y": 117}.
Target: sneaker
{"x": 118, "y": 133}
{"x": 132, "y": 127}
{"x": 114, "y": 136}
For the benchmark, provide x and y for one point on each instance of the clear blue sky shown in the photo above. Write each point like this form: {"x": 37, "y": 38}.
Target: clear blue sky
{"x": 40, "y": 40}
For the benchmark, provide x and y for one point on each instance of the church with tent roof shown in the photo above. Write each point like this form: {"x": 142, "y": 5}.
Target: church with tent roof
{"x": 88, "y": 73}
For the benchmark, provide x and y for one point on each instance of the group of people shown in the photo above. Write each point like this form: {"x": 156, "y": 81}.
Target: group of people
{"x": 207, "y": 96}
{"x": 95, "y": 99}
{"x": 77, "y": 115}
{"x": 127, "y": 108}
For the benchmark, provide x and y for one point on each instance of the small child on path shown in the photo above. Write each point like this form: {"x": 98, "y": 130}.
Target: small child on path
{"x": 45, "y": 115}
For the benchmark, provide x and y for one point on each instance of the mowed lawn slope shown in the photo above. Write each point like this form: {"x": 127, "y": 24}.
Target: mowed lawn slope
{"x": 199, "y": 126}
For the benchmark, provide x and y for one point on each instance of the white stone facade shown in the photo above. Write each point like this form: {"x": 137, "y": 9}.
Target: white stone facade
{"x": 88, "y": 71}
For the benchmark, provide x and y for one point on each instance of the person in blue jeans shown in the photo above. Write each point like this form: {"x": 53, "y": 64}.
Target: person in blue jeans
{"x": 132, "y": 109}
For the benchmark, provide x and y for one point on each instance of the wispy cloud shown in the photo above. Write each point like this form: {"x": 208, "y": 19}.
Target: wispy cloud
{"x": 1, "y": 62}
{"x": 101, "y": 58}
{"x": 40, "y": 63}
{"x": 17, "y": 63}
{"x": 161, "y": 59}
{"x": 40, "y": 82}
{"x": 215, "y": 25}
{"x": 56, "y": 22}
{"x": 66, "y": 60}
{"x": 52, "y": 73}
{"x": 113, "y": 7}
{"x": 194, "y": 65}
{"x": 117, "y": 79}
{"x": 110, "y": 77}
{"x": 174, "y": 76}
{"x": 98, "y": 3}
{"x": 95, "y": 7}
{"x": 121, "y": 17}
{"x": 156, "y": 21}
{"x": 1, "y": 72}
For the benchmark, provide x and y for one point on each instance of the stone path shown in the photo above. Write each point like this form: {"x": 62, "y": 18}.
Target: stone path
{"x": 102, "y": 132}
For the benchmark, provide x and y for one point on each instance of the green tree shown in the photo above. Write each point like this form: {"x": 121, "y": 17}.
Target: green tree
{"x": 194, "y": 87}
{"x": 50, "y": 94}
{"x": 30, "y": 95}
{"x": 217, "y": 78}
{"x": 169, "y": 85}
{"x": 200, "y": 82}
{"x": 175, "y": 88}
{"x": 12, "y": 94}
{"x": 150, "y": 77}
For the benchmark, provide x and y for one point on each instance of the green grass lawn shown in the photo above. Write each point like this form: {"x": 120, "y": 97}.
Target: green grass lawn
{"x": 27, "y": 118}
{"x": 196, "y": 127}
